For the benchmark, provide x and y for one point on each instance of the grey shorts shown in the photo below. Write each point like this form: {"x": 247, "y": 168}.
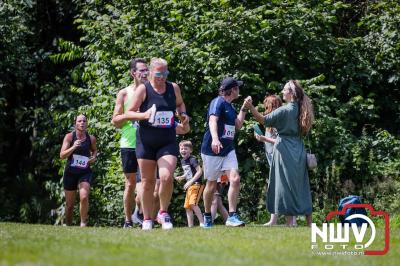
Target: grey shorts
{"x": 214, "y": 166}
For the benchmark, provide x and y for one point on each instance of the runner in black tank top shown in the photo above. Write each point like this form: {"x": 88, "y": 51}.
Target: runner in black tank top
{"x": 158, "y": 139}
{"x": 156, "y": 143}
{"x": 78, "y": 161}
{"x": 80, "y": 150}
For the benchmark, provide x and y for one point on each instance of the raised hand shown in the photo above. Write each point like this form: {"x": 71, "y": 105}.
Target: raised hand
{"x": 77, "y": 144}
{"x": 248, "y": 102}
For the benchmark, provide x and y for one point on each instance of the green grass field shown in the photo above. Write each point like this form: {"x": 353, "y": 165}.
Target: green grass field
{"x": 26, "y": 244}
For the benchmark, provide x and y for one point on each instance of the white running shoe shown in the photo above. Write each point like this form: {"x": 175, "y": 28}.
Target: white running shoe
{"x": 136, "y": 219}
{"x": 165, "y": 220}
{"x": 147, "y": 225}
{"x": 234, "y": 221}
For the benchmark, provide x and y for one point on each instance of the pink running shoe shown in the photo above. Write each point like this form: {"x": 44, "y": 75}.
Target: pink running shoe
{"x": 165, "y": 220}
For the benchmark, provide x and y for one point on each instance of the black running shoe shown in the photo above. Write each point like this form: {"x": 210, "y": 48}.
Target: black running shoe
{"x": 128, "y": 224}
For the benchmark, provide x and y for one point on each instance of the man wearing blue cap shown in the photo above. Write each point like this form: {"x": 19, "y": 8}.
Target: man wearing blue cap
{"x": 218, "y": 151}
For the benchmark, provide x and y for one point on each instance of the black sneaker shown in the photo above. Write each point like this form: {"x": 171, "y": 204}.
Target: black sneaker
{"x": 137, "y": 218}
{"x": 128, "y": 224}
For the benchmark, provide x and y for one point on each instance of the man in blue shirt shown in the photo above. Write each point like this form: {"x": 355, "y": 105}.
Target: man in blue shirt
{"x": 218, "y": 151}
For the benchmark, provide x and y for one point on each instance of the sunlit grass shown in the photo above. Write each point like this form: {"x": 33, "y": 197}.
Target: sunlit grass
{"x": 250, "y": 245}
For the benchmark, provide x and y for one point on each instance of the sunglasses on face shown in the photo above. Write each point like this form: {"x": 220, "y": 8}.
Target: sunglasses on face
{"x": 161, "y": 74}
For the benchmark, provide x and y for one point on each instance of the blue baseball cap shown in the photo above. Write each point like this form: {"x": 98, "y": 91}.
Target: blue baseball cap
{"x": 229, "y": 83}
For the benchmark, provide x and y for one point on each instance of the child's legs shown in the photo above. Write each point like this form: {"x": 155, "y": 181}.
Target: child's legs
{"x": 193, "y": 195}
{"x": 189, "y": 212}
{"x": 197, "y": 211}
{"x": 221, "y": 209}
{"x": 189, "y": 215}
{"x": 214, "y": 206}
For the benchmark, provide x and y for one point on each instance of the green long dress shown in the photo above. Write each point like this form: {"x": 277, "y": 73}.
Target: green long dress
{"x": 289, "y": 187}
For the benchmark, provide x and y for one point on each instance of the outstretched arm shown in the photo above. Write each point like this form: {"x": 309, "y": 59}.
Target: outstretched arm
{"x": 264, "y": 138}
{"x": 248, "y": 103}
{"x": 240, "y": 117}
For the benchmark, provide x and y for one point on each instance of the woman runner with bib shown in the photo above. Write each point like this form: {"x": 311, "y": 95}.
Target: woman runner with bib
{"x": 80, "y": 149}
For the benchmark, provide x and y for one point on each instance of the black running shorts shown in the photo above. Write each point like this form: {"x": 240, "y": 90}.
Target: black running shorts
{"x": 72, "y": 180}
{"x": 129, "y": 162}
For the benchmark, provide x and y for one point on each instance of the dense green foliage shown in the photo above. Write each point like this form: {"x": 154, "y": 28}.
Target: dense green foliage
{"x": 345, "y": 53}
{"x": 30, "y": 92}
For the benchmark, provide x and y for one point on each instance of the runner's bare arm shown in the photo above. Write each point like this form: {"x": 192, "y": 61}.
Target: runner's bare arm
{"x": 265, "y": 139}
{"x": 93, "y": 149}
{"x": 216, "y": 145}
{"x": 117, "y": 120}
{"x": 66, "y": 148}
{"x": 248, "y": 103}
{"x": 240, "y": 117}
{"x": 180, "y": 105}
{"x": 198, "y": 174}
{"x": 132, "y": 111}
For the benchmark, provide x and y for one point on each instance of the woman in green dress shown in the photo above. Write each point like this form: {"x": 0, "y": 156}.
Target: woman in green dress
{"x": 289, "y": 188}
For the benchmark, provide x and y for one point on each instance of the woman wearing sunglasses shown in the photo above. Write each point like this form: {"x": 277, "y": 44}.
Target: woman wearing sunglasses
{"x": 154, "y": 105}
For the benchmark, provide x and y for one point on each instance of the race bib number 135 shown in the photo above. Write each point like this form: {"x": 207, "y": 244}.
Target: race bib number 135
{"x": 164, "y": 119}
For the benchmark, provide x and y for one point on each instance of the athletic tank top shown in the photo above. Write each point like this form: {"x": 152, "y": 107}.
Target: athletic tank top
{"x": 128, "y": 130}
{"x": 78, "y": 161}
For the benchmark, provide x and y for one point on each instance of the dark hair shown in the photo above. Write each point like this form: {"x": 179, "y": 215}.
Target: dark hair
{"x": 134, "y": 61}
{"x": 223, "y": 92}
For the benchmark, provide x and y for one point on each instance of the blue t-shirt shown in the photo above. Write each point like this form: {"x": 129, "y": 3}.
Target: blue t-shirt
{"x": 226, "y": 127}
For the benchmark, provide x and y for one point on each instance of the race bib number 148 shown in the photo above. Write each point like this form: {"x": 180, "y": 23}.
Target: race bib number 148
{"x": 79, "y": 161}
